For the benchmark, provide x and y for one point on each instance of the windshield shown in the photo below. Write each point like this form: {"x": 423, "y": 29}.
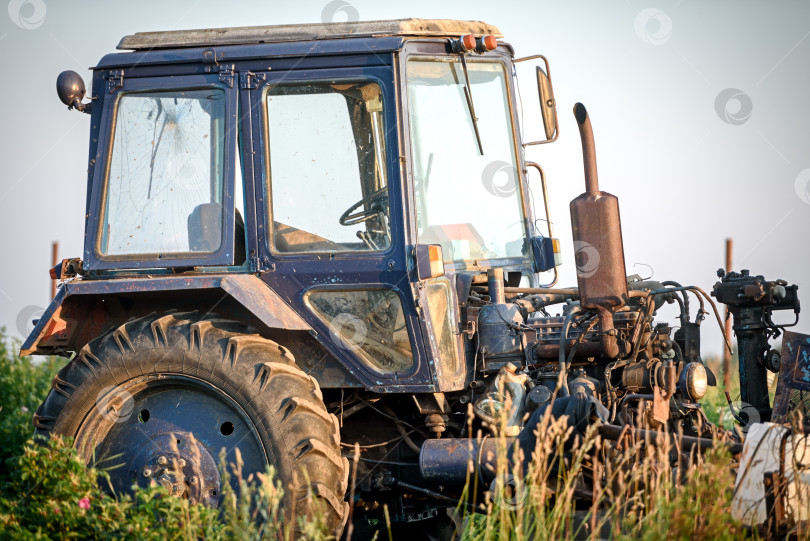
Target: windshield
{"x": 465, "y": 201}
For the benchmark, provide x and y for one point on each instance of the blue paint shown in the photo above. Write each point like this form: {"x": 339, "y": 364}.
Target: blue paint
{"x": 380, "y": 60}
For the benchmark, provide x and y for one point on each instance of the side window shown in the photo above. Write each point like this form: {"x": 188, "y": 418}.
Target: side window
{"x": 328, "y": 186}
{"x": 369, "y": 322}
{"x": 165, "y": 178}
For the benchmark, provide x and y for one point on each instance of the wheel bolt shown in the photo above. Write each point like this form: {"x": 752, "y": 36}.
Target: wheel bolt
{"x": 162, "y": 460}
{"x": 192, "y": 480}
{"x": 147, "y": 472}
{"x": 181, "y": 462}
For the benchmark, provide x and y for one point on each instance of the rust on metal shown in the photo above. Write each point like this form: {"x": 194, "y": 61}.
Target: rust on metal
{"x": 263, "y": 302}
{"x": 597, "y": 232}
{"x": 84, "y": 308}
{"x": 793, "y": 386}
{"x": 305, "y": 32}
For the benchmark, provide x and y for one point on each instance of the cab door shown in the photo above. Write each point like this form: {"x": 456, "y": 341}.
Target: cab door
{"x": 163, "y": 180}
{"x": 329, "y": 196}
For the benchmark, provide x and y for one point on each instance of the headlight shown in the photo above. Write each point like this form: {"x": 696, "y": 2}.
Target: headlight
{"x": 694, "y": 380}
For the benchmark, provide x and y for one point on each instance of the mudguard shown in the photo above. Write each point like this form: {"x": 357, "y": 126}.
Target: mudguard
{"x": 83, "y": 309}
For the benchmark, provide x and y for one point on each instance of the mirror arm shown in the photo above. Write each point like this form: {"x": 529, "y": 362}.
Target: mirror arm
{"x": 532, "y": 143}
{"x": 83, "y": 107}
{"x": 545, "y": 195}
{"x": 548, "y": 216}
{"x": 532, "y": 57}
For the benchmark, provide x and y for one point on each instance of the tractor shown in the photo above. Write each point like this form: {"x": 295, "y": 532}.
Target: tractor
{"x": 311, "y": 244}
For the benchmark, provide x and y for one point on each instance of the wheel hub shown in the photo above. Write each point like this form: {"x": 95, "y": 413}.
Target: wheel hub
{"x": 176, "y": 431}
{"x": 179, "y": 463}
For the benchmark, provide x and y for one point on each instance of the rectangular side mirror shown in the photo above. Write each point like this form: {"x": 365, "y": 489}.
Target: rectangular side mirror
{"x": 547, "y": 104}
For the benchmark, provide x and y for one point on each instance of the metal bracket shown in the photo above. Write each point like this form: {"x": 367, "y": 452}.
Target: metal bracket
{"x": 470, "y": 328}
{"x": 433, "y": 403}
{"x": 226, "y": 74}
{"x": 250, "y": 80}
{"x": 259, "y": 266}
{"x": 115, "y": 80}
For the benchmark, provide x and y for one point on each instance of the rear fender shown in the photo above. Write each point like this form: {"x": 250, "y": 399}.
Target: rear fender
{"x": 85, "y": 309}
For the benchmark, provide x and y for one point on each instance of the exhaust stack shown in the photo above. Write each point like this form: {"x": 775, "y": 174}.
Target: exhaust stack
{"x": 598, "y": 247}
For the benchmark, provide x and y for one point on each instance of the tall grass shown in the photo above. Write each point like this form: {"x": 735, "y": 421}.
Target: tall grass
{"x": 46, "y": 493}
{"x": 597, "y": 490}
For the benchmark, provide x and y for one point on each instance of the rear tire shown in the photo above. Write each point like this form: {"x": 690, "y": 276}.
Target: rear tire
{"x": 158, "y": 379}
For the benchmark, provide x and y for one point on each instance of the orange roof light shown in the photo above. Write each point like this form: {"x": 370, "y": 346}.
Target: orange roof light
{"x": 486, "y": 43}
{"x": 467, "y": 42}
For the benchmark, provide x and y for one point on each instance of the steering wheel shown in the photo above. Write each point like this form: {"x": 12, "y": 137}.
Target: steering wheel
{"x": 373, "y": 210}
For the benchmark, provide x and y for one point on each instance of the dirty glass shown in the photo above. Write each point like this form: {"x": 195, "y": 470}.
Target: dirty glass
{"x": 441, "y": 322}
{"x": 485, "y": 219}
{"x": 370, "y": 323}
{"x": 164, "y": 184}
{"x": 327, "y": 167}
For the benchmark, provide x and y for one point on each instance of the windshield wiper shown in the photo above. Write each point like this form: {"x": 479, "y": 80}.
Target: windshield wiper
{"x": 470, "y": 105}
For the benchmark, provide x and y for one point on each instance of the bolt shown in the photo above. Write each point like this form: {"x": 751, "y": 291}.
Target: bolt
{"x": 147, "y": 472}
{"x": 181, "y": 462}
{"x": 192, "y": 480}
{"x": 162, "y": 460}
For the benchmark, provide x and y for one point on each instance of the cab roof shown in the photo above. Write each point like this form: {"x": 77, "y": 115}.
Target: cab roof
{"x": 305, "y": 32}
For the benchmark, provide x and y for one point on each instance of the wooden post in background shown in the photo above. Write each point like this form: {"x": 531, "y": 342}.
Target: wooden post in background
{"x": 726, "y": 352}
{"x": 54, "y": 261}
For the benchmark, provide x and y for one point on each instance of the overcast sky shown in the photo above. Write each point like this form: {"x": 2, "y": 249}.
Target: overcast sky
{"x": 700, "y": 113}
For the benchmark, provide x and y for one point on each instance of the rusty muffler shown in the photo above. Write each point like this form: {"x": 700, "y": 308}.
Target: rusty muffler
{"x": 598, "y": 248}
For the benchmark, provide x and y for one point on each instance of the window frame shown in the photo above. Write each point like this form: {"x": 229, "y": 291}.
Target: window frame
{"x": 224, "y": 255}
{"x": 269, "y": 240}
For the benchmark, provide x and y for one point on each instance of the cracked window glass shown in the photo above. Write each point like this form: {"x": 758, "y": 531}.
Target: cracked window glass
{"x": 164, "y": 184}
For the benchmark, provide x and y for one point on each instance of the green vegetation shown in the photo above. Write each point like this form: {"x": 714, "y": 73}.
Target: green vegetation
{"x": 23, "y": 385}
{"x": 46, "y": 493}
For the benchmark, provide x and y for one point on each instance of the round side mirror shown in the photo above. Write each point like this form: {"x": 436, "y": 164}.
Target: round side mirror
{"x": 71, "y": 90}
